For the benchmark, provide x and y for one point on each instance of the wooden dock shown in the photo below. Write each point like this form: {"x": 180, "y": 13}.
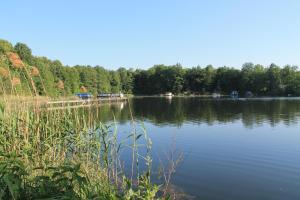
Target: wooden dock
{"x": 55, "y": 105}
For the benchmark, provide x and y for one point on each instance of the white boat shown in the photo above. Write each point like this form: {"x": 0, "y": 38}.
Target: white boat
{"x": 168, "y": 94}
{"x": 216, "y": 95}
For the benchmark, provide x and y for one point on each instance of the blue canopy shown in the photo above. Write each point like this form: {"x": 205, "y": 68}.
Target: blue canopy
{"x": 81, "y": 95}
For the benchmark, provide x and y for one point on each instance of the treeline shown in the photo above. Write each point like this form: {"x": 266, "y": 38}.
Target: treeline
{"x": 258, "y": 79}
{"x": 21, "y": 72}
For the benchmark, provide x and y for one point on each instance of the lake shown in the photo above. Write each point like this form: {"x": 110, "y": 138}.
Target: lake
{"x": 233, "y": 149}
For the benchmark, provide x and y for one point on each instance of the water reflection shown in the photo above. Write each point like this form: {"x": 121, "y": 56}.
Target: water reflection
{"x": 162, "y": 111}
{"x": 219, "y": 162}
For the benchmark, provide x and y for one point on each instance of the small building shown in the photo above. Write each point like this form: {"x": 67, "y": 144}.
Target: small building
{"x": 84, "y": 96}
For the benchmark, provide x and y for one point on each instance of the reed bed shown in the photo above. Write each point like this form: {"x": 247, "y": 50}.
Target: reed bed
{"x": 68, "y": 155}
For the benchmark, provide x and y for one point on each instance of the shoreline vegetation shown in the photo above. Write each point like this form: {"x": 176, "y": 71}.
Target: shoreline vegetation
{"x": 70, "y": 154}
{"x": 59, "y": 155}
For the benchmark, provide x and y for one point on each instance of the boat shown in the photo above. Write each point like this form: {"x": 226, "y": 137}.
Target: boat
{"x": 248, "y": 94}
{"x": 216, "y": 95}
{"x": 168, "y": 94}
{"x": 110, "y": 95}
{"x": 234, "y": 94}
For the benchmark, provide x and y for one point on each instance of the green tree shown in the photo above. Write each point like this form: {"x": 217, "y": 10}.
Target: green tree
{"x": 195, "y": 80}
{"x": 24, "y": 52}
{"x": 103, "y": 80}
{"x": 275, "y": 86}
{"x": 290, "y": 80}
{"x": 227, "y": 80}
{"x": 115, "y": 82}
{"x": 45, "y": 82}
{"x": 126, "y": 78}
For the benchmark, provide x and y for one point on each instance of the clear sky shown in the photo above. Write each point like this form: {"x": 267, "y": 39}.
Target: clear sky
{"x": 142, "y": 33}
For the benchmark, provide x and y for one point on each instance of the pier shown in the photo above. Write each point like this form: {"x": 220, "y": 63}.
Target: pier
{"x": 64, "y": 104}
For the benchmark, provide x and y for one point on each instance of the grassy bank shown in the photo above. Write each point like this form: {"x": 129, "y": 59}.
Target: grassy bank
{"x": 65, "y": 155}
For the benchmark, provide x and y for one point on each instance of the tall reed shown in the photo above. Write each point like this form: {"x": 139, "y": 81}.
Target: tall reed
{"x": 66, "y": 154}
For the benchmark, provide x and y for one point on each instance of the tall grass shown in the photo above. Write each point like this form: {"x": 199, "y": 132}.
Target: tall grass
{"x": 65, "y": 154}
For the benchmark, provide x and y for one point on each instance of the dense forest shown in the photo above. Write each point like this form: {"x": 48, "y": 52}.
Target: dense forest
{"x": 23, "y": 73}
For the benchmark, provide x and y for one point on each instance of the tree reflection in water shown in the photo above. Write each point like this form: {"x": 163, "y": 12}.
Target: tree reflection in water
{"x": 175, "y": 112}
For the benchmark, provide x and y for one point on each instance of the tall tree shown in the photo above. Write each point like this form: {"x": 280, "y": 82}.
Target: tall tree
{"x": 24, "y": 52}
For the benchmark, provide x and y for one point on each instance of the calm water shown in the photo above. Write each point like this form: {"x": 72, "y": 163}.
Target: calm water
{"x": 233, "y": 149}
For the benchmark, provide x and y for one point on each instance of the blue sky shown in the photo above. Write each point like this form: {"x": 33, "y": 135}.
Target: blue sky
{"x": 142, "y": 33}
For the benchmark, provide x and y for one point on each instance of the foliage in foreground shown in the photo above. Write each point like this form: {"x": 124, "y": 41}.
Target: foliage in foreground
{"x": 64, "y": 155}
